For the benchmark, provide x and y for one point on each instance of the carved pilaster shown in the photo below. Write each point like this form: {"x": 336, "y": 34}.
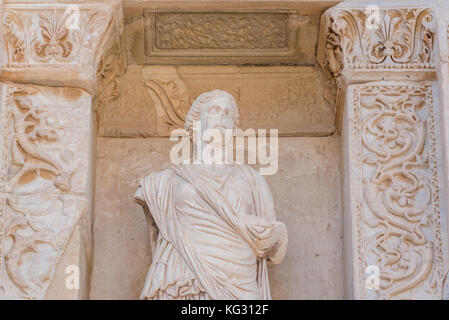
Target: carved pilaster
{"x": 45, "y": 184}
{"x": 394, "y": 194}
{"x": 53, "y": 51}
{"x": 384, "y": 60}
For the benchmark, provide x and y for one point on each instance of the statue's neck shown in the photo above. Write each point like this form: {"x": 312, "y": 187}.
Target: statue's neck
{"x": 215, "y": 162}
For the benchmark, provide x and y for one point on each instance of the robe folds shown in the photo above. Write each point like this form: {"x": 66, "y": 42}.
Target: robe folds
{"x": 212, "y": 233}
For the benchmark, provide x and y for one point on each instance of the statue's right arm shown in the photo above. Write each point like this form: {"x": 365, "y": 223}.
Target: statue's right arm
{"x": 152, "y": 227}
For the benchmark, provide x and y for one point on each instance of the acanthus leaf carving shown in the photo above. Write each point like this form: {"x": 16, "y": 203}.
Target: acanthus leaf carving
{"x": 172, "y": 102}
{"x": 55, "y": 34}
{"x": 383, "y": 38}
{"x": 48, "y": 37}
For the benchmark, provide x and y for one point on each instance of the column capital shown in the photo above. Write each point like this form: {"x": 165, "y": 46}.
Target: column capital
{"x": 57, "y": 42}
{"x": 362, "y": 42}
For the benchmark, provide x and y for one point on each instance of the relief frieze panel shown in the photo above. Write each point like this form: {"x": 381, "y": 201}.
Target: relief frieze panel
{"x": 211, "y": 37}
{"x": 220, "y": 30}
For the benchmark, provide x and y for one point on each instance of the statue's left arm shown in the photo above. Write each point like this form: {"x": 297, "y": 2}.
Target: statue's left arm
{"x": 269, "y": 234}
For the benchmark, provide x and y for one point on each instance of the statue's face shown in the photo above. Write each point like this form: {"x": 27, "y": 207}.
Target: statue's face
{"x": 217, "y": 114}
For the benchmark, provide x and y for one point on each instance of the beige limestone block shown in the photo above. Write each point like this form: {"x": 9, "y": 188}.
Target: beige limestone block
{"x": 152, "y": 101}
{"x": 46, "y": 139}
{"x": 314, "y": 255}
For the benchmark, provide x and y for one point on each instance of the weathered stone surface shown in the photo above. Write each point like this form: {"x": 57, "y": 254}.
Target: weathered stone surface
{"x": 45, "y": 184}
{"x": 120, "y": 230}
{"x": 152, "y": 101}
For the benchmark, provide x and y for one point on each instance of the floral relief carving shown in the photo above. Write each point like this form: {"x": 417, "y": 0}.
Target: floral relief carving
{"x": 40, "y": 204}
{"x": 108, "y": 81}
{"x": 15, "y": 46}
{"x": 38, "y": 232}
{"x": 400, "y": 218}
{"x": 50, "y": 36}
{"x": 383, "y": 38}
{"x": 33, "y": 126}
{"x": 219, "y": 30}
{"x": 55, "y": 37}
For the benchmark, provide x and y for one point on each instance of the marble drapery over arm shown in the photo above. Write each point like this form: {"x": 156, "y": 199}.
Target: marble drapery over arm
{"x": 258, "y": 229}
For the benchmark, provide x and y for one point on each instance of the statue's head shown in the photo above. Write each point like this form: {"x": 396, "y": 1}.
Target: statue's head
{"x": 215, "y": 109}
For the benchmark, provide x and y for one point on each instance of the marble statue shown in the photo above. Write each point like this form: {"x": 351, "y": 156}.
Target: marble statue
{"x": 213, "y": 226}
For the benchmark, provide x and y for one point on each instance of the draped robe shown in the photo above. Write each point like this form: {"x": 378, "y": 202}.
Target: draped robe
{"x": 212, "y": 233}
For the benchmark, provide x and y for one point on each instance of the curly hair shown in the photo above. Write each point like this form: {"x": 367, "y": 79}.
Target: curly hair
{"x": 201, "y": 100}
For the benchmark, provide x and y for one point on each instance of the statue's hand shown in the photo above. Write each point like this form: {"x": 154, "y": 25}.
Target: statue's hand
{"x": 276, "y": 251}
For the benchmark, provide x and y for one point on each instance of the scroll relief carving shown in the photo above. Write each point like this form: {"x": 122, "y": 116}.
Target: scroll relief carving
{"x": 398, "y": 220}
{"x": 172, "y": 103}
{"x": 391, "y": 39}
{"x": 109, "y": 72}
{"x": 34, "y": 37}
{"x": 40, "y": 204}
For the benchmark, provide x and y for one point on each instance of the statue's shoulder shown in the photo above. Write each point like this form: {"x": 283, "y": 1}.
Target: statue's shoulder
{"x": 157, "y": 176}
{"x": 252, "y": 173}
{"x": 248, "y": 169}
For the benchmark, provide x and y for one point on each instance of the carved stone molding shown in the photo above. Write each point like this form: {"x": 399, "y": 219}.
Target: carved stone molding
{"x": 154, "y": 100}
{"x": 44, "y": 182}
{"x": 377, "y": 38}
{"x": 394, "y": 190}
{"x": 57, "y": 43}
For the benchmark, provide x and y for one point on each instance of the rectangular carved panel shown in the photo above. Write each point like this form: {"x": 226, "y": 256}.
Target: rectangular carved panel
{"x": 208, "y": 37}
{"x": 393, "y": 168}
{"x": 216, "y": 31}
{"x": 44, "y": 182}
